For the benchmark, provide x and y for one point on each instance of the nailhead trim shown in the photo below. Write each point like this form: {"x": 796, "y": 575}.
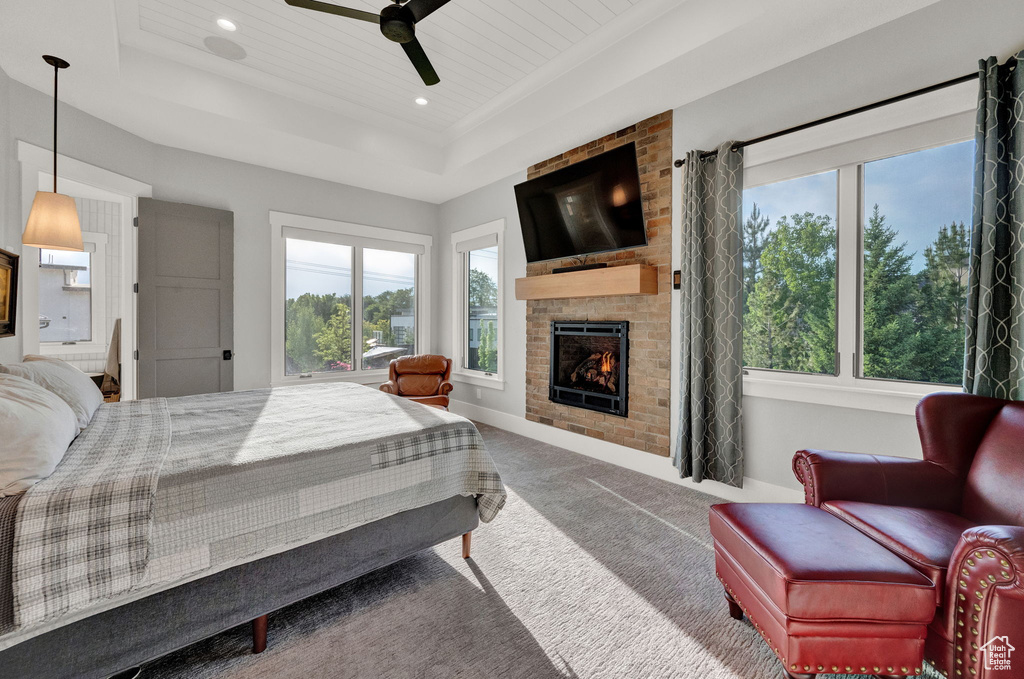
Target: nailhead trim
{"x": 976, "y": 561}
{"x": 775, "y": 650}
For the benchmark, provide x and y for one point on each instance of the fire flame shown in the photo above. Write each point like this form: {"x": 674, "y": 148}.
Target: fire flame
{"x": 606, "y": 362}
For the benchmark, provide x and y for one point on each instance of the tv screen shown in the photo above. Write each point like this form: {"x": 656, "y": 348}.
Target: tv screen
{"x": 589, "y": 207}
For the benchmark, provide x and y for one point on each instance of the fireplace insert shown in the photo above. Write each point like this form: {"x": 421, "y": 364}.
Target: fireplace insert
{"x": 590, "y": 365}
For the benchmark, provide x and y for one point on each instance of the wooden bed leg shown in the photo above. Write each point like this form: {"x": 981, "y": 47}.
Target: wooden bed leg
{"x": 259, "y": 634}
{"x": 466, "y": 538}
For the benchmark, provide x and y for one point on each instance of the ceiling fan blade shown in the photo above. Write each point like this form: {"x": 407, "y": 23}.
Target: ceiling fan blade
{"x": 318, "y": 6}
{"x": 421, "y": 9}
{"x": 419, "y": 59}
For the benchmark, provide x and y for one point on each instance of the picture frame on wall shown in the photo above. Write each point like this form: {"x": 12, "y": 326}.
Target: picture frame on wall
{"x": 8, "y": 293}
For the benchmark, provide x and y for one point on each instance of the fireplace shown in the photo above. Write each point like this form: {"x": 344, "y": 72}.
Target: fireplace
{"x": 590, "y": 364}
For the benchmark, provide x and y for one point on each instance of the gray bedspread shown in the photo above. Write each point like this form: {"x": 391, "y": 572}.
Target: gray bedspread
{"x": 249, "y": 474}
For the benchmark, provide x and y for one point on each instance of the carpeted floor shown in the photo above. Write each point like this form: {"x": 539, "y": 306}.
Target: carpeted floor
{"x": 591, "y": 570}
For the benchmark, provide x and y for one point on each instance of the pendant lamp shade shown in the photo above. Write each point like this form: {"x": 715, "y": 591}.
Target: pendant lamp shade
{"x": 53, "y": 223}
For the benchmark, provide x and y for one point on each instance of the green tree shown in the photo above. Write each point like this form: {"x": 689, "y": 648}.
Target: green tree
{"x": 483, "y": 291}
{"x": 942, "y": 306}
{"x": 378, "y": 310}
{"x": 302, "y": 326}
{"x": 754, "y": 230}
{"x": 764, "y": 324}
{"x": 890, "y": 291}
{"x": 334, "y": 341}
{"x": 790, "y": 321}
{"x": 488, "y": 351}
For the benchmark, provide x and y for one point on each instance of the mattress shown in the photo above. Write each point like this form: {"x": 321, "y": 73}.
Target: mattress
{"x": 242, "y": 475}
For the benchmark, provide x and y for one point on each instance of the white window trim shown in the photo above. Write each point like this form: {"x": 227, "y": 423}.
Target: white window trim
{"x": 924, "y": 122}
{"x": 97, "y": 300}
{"x": 459, "y": 316}
{"x": 361, "y": 236}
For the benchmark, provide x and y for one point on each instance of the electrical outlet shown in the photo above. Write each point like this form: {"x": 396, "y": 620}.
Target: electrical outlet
{"x": 479, "y": 393}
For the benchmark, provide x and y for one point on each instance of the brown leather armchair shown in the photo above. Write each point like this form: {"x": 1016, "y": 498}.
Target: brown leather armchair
{"x": 957, "y": 516}
{"x": 423, "y": 378}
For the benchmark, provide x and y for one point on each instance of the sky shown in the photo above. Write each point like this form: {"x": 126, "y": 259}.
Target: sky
{"x": 69, "y": 257}
{"x": 322, "y": 268}
{"x": 917, "y": 192}
{"x": 486, "y": 260}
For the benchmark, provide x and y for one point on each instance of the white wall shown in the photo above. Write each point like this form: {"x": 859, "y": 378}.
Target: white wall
{"x": 250, "y": 192}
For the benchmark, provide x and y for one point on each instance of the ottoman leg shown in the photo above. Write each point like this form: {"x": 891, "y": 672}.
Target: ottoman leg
{"x": 789, "y": 675}
{"x": 734, "y": 608}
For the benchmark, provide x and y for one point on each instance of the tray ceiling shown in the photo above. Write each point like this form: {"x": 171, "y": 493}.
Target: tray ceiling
{"x": 480, "y": 48}
{"x": 327, "y": 97}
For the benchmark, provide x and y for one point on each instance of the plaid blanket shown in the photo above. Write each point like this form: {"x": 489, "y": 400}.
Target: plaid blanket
{"x": 82, "y": 534}
{"x": 244, "y": 475}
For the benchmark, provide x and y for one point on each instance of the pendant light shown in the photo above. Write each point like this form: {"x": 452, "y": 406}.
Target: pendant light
{"x": 53, "y": 221}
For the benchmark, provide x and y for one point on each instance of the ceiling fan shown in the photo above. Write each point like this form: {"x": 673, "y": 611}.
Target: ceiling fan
{"x": 397, "y": 23}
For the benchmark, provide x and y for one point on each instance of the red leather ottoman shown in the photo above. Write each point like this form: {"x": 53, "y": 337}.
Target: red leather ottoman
{"x": 825, "y": 597}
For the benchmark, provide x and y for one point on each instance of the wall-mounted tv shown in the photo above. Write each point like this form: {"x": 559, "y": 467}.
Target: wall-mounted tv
{"x": 591, "y": 206}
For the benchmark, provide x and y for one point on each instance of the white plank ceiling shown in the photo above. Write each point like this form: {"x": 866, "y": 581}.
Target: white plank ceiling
{"x": 480, "y": 48}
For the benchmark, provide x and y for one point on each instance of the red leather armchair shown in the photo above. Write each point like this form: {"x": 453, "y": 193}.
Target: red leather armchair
{"x": 423, "y": 378}
{"x": 957, "y": 516}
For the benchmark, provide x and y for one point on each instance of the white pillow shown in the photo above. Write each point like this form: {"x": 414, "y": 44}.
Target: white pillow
{"x": 63, "y": 379}
{"x": 36, "y": 427}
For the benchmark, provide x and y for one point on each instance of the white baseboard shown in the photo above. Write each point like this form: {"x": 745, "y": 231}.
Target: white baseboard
{"x": 645, "y": 463}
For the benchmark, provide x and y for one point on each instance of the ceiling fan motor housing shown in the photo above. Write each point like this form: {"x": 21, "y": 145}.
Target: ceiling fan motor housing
{"x": 397, "y": 24}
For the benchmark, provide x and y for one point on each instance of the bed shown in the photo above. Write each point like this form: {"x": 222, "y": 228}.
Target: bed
{"x": 171, "y": 520}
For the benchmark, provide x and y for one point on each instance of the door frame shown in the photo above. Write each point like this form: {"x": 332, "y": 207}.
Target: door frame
{"x": 84, "y": 180}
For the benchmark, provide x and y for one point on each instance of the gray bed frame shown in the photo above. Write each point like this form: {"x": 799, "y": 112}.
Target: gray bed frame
{"x": 115, "y": 640}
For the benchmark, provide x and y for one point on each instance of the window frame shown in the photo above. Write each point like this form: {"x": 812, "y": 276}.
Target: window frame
{"x": 358, "y": 237}
{"x": 929, "y": 121}
{"x": 97, "y": 301}
{"x": 460, "y": 306}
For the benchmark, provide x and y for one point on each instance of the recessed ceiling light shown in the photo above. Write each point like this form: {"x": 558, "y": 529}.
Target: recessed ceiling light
{"x": 422, "y": 101}
{"x": 227, "y": 24}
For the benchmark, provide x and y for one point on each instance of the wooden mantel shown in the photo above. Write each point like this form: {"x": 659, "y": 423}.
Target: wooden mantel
{"x": 631, "y": 279}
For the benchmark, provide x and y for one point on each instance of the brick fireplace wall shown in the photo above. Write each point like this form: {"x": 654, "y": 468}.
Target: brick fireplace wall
{"x": 647, "y": 426}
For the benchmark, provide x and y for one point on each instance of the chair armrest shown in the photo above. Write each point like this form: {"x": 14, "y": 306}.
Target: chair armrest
{"x": 985, "y": 593}
{"x": 828, "y": 475}
{"x": 445, "y": 388}
{"x": 389, "y": 387}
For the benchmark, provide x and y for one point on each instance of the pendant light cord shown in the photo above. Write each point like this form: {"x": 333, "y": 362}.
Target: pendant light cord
{"x": 56, "y": 71}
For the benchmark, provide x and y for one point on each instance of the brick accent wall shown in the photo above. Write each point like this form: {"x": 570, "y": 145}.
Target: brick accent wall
{"x": 647, "y": 426}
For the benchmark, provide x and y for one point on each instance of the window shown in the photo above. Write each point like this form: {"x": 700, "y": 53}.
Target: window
{"x": 318, "y": 307}
{"x": 389, "y": 306}
{"x": 855, "y": 257}
{"x": 348, "y": 298}
{"x": 789, "y": 275}
{"x": 477, "y": 271}
{"x": 482, "y": 308}
{"x": 72, "y": 295}
{"x": 917, "y": 208}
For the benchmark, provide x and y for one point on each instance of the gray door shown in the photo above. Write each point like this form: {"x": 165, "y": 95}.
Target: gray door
{"x": 185, "y": 299}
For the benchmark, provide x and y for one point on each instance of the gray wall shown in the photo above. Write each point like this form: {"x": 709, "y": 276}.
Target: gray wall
{"x": 10, "y": 347}
{"x": 249, "y": 191}
{"x": 938, "y": 42}
{"x": 495, "y": 201}
{"x": 904, "y": 55}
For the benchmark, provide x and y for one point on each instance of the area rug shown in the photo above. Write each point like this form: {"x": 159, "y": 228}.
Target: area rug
{"x": 590, "y": 571}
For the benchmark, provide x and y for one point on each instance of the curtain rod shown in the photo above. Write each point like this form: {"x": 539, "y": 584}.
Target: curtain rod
{"x": 845, "y": 114}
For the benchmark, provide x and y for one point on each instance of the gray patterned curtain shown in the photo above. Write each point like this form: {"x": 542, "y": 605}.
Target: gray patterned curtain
{"x": 994, "y": 357}
{"x": 709, "y": 444}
